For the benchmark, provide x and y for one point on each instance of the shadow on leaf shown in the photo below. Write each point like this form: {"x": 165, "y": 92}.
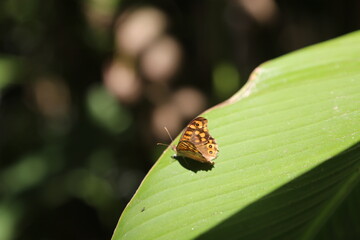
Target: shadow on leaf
{"x": 193, "y": 165}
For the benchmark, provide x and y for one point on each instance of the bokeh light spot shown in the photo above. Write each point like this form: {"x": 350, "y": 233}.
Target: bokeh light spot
{"x": 26, "y": 173}
{"x": 106, "y": 111}
{"x": 122, "y": 81}
{"x": 10, "y": 213}
{"x": 189, "y": 102}
{"x": 168, "y": 116}
{"x": 263, "y": 11}
{"x": 8, "y": 71}
{"x": 226, "y": 80}
{"x": 52, "y": 97}
{"x": 161, "y": 60}
{"x": 99, "y": 13}
{"x": 137, "y": 28}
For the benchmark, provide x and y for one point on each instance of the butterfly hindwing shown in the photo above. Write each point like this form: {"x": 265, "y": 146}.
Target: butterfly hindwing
{"x": 210, "y": 150}
{"x": 187, "y": 149}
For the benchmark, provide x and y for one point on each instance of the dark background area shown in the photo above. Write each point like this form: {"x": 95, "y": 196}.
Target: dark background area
{"x": 86, "y": 88}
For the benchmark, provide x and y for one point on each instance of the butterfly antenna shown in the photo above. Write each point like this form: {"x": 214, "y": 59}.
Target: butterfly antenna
{"x": 167, "y": 131}
{"x": 162, "y": 144}
{"x": 172, "y": 146}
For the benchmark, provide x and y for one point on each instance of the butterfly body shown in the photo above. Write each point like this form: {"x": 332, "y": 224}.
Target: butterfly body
{"x": 196, "y": 143}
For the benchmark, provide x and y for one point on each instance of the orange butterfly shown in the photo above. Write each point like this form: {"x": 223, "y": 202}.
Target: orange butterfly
{"x": 196, "y": 143}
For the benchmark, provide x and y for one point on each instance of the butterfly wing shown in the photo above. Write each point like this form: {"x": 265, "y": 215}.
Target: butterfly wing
{"x": 194, "y": 128}
{"x": 187, "y": 149}
{"x": 209, "y": 150}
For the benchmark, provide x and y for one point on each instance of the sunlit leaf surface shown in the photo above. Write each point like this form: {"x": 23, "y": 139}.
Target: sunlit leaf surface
{"x": 289, "y": 156}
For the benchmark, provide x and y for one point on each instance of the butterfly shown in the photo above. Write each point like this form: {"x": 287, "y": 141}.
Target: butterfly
{"x": 196, "y": 143}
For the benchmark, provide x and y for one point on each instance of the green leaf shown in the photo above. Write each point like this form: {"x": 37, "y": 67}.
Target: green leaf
{"x": 289, "y": 157}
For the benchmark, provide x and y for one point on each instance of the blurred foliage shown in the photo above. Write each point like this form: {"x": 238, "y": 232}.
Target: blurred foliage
{"x": 72, "y": 151}
{"x": 106, "y": 111}
{"x": 225, "y": 80}
{"x": 8, "y": 71}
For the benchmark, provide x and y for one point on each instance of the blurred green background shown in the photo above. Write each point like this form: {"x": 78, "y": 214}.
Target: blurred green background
{"x": 86, "y": 88}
